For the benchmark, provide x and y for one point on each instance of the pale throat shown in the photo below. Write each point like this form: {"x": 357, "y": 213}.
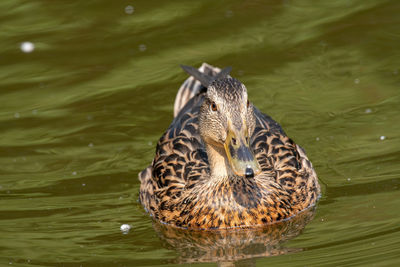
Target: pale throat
{"x": 219, "y": 163}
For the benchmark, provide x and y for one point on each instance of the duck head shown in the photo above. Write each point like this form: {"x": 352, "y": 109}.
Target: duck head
{"x": 226, "y": 122}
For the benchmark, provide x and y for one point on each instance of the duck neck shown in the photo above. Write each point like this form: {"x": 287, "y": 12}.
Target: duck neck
{"x": 219, "y": 163}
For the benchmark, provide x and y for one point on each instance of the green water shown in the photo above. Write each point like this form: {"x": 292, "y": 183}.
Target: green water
{"x": 80, "y": 116}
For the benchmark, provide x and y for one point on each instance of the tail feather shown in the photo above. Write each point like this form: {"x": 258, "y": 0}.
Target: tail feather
{"x": 192, "y": 87}
{"x": 145, "y": 174}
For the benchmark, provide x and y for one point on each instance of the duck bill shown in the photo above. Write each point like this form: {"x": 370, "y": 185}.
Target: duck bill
{"x": 240, "y": 157}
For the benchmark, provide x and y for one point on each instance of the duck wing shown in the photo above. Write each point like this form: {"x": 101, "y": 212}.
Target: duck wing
{"x": 281, "y": 159}
{"x": 179, "y": 162}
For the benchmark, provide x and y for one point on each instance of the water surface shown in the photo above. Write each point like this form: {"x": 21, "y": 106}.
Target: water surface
{"x": 81, "y": 113}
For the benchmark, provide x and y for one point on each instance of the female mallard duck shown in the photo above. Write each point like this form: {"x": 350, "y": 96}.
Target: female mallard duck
{"x": 223, "y": 164}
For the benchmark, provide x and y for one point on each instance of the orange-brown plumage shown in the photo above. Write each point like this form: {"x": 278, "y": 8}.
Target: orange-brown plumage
{"x": 224, "y": 164}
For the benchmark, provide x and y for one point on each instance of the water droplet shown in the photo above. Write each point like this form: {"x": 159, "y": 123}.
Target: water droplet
{"x": 27, "y": 47}
{"x": 382, "y": 137}
{"x": 74, "y": 173}
{"x": 83, "y": 184}
{"x": 368, "y": 110}
{"x": 317, "y": 138}
{"x": 142, "y": 47}
{"x": 323, "y": 43}
{"x": 125, "y": 228}
{"x": 357, "y": 81}
{"x": 229, "y": 13}
{"x": 349, "y": 179}
{"x": 16, "y": 115}
{"x": 129, "y": 9}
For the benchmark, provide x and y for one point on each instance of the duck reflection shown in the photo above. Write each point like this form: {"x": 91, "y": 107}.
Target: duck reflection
{"x": 233, "y": 246}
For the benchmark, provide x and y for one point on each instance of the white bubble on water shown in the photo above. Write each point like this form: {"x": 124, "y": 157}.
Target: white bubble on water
{"x": 382, "y": 137}
{"x": 368, "y": 110}
{"x": 125, "y": 228}
{"x": 17, "y": 115}
{"x": 323, "y": 43}
{"x": 90, "y": 145}
{"x": 27, "y": 47}
{"x": 142, "y": 47}
{"x": 349, "y": 179}
{"x": 317, "y": 138}
{"x": 129, "y": 9}
{"x": 229, "y": 13}
{"x": 74, "y": 173}
{"x": 357, "y": 81}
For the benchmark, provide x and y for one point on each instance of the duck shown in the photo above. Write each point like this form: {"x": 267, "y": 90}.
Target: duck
{"x": 224, "y": 164}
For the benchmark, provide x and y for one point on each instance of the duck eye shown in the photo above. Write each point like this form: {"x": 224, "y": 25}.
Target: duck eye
{"x": 213, "y": 106}
{"x": 248, "y": 103}
{"x": 234, "y": 141}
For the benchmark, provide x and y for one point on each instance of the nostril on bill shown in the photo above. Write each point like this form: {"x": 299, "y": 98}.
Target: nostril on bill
{"x": 249, "y": 173}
